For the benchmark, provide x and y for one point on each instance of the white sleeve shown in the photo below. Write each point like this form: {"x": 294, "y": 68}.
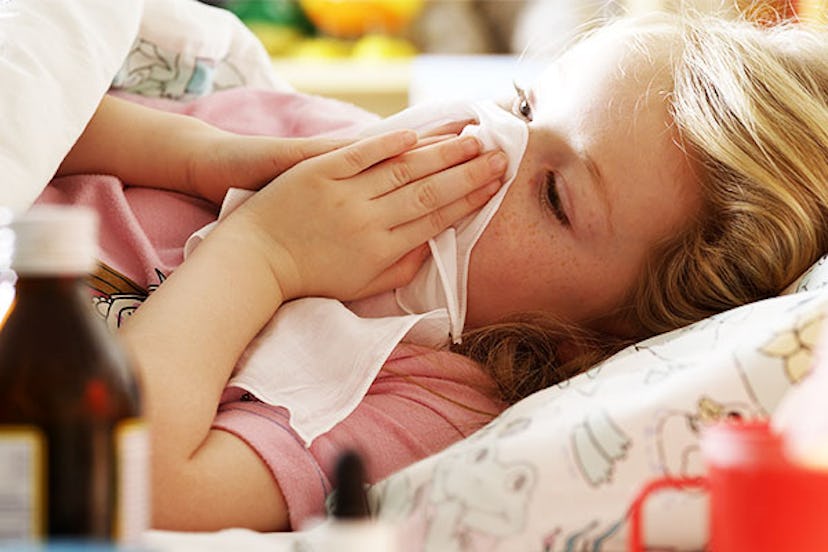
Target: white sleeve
{"x": 57, "y": 59}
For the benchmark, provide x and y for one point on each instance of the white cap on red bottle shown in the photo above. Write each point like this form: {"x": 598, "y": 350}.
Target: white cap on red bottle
{"x": 55, "y": 240}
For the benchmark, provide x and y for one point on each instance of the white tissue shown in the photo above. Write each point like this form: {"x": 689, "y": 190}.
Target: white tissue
{"x": 442, "y": 282}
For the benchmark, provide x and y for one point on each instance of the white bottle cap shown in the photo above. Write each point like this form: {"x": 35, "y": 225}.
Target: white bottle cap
{"x": 55, "y": 240}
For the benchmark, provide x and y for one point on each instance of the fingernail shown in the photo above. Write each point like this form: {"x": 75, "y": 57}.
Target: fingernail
{"x": 470, "y": 145}
{"x": 409, "y": 137}
{"x": 498, "y": 162}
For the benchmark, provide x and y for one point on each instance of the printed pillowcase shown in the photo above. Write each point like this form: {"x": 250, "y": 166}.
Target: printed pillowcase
{"x": 559, "y": 470}
{"x": 58, "y": 59}
{"x": 812, "y": 279}
{"x": 186, "y": 49}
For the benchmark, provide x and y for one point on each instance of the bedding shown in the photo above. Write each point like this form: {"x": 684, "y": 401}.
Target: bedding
{"x": 555, "y": 472}
{"x": 52, "y": 86}
{"x": 184, "y": 50}
{"x": 559, "y": 470}
{"x": 165, "y": 48}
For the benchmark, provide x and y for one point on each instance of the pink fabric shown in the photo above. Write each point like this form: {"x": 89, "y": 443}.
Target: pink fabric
{"x": 421, "y": 402}
{"x": 262, "y": 112}
{"x": 142, "y": 230}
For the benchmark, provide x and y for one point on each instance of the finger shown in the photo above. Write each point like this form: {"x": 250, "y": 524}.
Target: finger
{"x": 357, "y": 157}
{"x": 428, "y": 226}
{"x": 417, "y": 164}
{"x": 422, "y": 142}
{"x": 436, "y": 191}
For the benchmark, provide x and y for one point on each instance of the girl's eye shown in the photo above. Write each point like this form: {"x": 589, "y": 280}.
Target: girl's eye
{"x": 525, "y": 109}
{"x": 554, "y": 200}
{"x": 522, "y": 106}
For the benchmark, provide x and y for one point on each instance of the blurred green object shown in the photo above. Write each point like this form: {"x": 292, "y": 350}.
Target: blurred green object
{"x": 285, "y": 13}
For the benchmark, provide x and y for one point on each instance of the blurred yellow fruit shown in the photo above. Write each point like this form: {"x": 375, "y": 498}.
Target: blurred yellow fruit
{"x": 376, "y": 46}
{"x": 352, "y": 18}
{"x": 277, "y": 39}
{"x": 321, "y": 47}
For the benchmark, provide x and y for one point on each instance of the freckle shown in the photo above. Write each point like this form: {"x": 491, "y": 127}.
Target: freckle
{"x": 533, "y": 228}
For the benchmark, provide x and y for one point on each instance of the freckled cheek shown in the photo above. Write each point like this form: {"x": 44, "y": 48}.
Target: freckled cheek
{"x": 488, "y": 276}
{"x": 520, "y": 237}
{"x": 509, "y": 252}
{"x": 487, "y": 253}
{"x": 536, "y": 260}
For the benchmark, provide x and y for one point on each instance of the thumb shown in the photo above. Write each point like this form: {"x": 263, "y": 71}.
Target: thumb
{"x": 398, "y": 274}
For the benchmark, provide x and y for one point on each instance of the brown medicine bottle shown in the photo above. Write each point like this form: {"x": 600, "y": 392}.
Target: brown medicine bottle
{"x": 73, "y": 450}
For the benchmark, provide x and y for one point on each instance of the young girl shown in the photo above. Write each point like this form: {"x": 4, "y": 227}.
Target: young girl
{"x": 673, "y": 169}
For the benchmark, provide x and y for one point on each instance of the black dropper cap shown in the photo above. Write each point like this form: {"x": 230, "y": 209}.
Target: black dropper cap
{"x": 350, "y": 500}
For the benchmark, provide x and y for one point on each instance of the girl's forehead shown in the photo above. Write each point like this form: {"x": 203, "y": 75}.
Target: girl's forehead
{"x": 606, "y": 58}
{"x": 616, "y": 57}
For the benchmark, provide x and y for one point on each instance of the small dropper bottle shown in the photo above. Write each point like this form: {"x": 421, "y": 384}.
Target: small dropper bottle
{"x": 351, "y": 528}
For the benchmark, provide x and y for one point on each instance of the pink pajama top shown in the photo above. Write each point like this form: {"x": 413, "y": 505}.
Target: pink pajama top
{"x": 421, "y": 401}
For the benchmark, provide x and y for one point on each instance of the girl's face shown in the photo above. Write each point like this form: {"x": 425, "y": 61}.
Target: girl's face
{"x": 601, "y": 183}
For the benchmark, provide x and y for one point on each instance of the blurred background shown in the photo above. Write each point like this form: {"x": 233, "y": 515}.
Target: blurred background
{"x": 387, "y": 54}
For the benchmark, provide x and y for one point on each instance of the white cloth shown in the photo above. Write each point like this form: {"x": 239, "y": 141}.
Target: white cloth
{"x": 317, "y": 357}
{"x": 57, "y": 58}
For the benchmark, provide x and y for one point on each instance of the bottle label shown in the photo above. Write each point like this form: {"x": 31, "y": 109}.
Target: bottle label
{"x": 132, "y": 457}
{"x": 22, "y": 482}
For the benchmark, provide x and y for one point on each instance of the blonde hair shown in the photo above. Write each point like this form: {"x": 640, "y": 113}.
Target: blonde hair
{"x": 750, "y": 105}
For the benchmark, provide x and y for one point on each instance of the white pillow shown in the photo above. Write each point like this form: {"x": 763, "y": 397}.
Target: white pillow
{"x": 560, "y": 469}
{"x": 57, "y": 58}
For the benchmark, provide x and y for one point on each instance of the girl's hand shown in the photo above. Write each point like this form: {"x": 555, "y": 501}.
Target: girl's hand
{"x": 354, "y": 222}
{"x": 222, "y": 160}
